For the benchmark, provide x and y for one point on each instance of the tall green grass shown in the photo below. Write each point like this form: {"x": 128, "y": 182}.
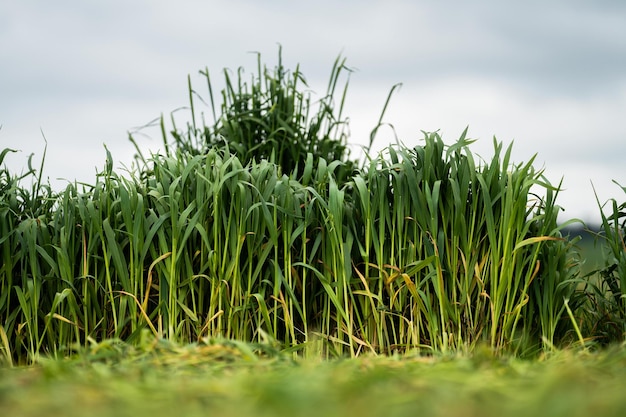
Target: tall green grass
{"x": 603, "y": 306}
{"x": 270, "y": 115}
{"x": 453, "y": 249}
{"x": 425, "y": 249}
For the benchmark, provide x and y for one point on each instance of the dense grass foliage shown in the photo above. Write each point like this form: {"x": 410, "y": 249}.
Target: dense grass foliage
{"x": 226, "y": 235}
{"x": 423, "y": 249}
{"x": 483, "y": 238}
{"x": 605, "y": 308}
{"x": 270, "y": 116}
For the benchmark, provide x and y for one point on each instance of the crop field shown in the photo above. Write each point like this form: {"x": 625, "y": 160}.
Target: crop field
{"x": 254, "y": 268}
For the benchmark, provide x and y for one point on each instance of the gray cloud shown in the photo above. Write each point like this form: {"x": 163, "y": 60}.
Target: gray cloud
{"x": 552, "y": 47}
{"x": 549, "y": 75}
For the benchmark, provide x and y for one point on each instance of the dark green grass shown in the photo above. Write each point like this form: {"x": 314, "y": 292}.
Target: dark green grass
{"x": 225, "y": 379}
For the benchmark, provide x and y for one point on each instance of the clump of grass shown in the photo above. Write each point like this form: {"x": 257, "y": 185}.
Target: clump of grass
{"x": 424, "y": 249}
{"x": 603, "y": 308}
{"x": 455, "y": 252}
{"x": 270, "y": 116}
{"x": 25, "y": 230}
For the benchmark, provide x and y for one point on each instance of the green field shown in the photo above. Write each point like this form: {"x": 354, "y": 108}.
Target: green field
{"x": 227, "y": 380}
{"x": 254, "y": 268}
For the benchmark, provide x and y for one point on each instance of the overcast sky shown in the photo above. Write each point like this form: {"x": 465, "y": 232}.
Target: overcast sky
{"x": 549, "y": 76}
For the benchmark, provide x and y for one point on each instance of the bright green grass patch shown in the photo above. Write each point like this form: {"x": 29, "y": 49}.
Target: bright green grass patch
{"x": 226, "y": 379}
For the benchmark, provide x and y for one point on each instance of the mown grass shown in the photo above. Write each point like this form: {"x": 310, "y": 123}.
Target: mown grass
{"x": 229, "y": 379}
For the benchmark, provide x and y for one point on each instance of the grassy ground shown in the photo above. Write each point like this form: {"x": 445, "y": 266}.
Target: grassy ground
{"x": 228, "y": 380}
